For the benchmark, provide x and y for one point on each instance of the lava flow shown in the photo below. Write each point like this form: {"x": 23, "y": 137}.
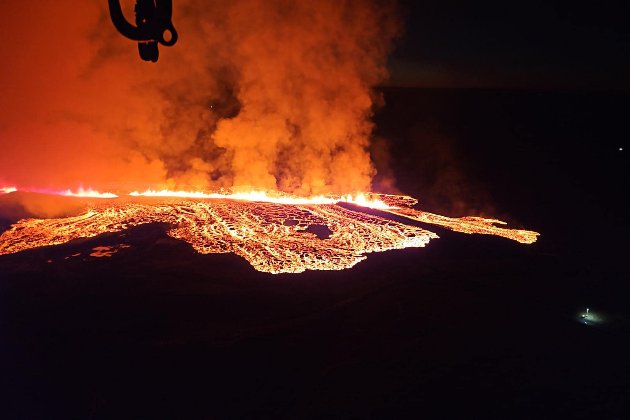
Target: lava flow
{"x": 274, "y": 233}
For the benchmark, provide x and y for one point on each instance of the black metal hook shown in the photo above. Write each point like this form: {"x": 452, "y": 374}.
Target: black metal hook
{"x": 153, "y": 25}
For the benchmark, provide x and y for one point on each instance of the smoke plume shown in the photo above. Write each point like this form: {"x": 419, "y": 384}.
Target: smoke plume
{"x": 271, "y": 94}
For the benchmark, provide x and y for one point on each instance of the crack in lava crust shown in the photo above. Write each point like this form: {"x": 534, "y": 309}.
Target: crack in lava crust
{"x": 272, "y": 237}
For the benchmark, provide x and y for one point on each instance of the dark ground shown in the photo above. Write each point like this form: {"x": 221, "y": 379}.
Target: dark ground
{"x": 471, "y": 327}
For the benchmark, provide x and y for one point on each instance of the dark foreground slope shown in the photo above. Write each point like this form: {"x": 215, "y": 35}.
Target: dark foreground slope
{"x": 469, "y": 327}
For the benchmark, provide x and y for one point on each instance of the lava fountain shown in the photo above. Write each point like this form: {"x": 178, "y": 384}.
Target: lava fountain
{"x": 274, "y": 232}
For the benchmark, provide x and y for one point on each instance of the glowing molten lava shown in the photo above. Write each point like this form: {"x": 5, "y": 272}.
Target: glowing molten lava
{"x": 7, "y": 190}
{"x": 88, "y": 193}
{"x": 360, "y": 199}
{"x": 80, "y": 192}
{"x": 273, "y": 232}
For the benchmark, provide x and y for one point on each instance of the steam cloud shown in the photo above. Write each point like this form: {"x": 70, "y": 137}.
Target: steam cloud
{"x": 271, "y": 94}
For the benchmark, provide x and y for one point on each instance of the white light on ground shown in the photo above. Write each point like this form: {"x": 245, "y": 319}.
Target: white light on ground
{"x": 588, "y": 317}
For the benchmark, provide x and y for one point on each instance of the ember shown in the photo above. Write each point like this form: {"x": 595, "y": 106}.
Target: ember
{"x": 271, "y": 231}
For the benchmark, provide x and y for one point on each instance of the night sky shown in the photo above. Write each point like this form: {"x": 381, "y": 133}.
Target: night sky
{"x": 514, "y": 44}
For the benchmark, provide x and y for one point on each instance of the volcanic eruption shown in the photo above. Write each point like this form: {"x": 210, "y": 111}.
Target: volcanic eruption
{"x": 248, "y": 137}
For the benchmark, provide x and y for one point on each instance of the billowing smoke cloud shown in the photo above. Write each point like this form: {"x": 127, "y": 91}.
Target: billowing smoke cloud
{"x": 265, "y": 93}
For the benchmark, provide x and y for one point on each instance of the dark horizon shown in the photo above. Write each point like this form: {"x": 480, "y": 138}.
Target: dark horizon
{"x": 533, "y": 45}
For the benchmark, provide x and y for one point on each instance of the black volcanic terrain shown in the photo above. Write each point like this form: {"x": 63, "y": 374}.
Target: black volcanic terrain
{"x": 136, "y": 324}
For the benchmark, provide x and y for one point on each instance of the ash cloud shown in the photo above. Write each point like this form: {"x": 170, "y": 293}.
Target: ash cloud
{"x": 270, "y": 94}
